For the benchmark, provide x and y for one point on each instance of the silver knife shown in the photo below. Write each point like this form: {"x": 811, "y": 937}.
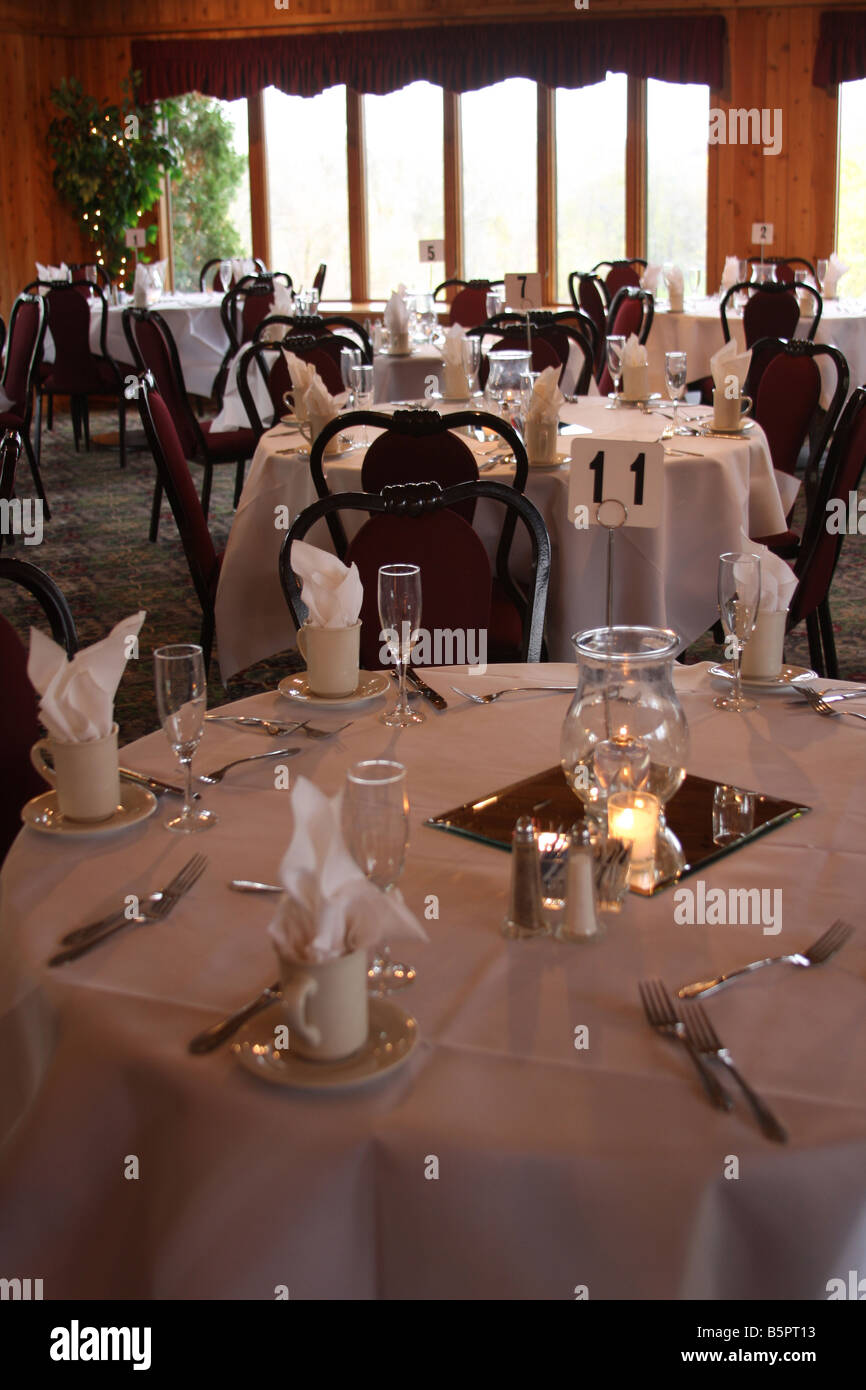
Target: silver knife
{"x": 219, "y": 1033}
{"x": 832, "y": 696}
{"x": 424, "y": 689}
{"x": 153, "y": 784}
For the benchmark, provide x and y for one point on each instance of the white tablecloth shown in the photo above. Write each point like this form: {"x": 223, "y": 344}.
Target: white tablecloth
{"x": 664, "y": 576}
{"x": 557, "y": 1167}
{"x": 698, "y": 333}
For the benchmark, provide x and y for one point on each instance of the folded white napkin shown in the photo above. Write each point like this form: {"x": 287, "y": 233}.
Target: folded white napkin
{"x": 778, "y": 580}
{"x": 330, "y": 907}
{"x": 650, "y": 278}
{"x": 233, "y": 415}
{"x": 452, "y": 347}
{"x": 303, "y": 375}
{"x": 728, "y": 362}
{"x": 77, "y": 696}
{"x": 397, "y": 313}
{"x": 319, "y": 406}
{"x": 546, "y": 399}
{"x": 634, "y": 353}
{"x": 241, "y": 266}
{"x": 148, "y": 283}
{"x": 674, "y": 279}
{"x": 731, "y": 272}
{"x": 52, "y": 272}
{"x": 283, "y": 302}
{"x": 331, "y": 590}
{"x": 835, "y": 270}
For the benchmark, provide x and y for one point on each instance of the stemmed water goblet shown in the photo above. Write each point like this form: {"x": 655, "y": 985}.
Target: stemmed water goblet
{"x": 471, "y": 350}
{"x": 739, "y": 600}
{"x": 821, "y": 268}
{"x": 225, "y": 275}
{"x": 675, "y": 380}
{"x": 399, "y": 615}
{"x": 181, "y": 700}
{"x": 615, "y": 349}
{"x": 375, "y": 819}
{"x": 493, "y": 304}
{"x": 361, "y": 377}
{"x": 349, "y": 357}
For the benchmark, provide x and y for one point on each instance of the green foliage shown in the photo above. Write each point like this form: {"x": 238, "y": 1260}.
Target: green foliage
{"x": 204, "y": 186}
{"x": 109, "y": 164}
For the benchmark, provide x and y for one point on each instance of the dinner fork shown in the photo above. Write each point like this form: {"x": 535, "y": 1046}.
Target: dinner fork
{"x": 511, "y": 690}
{"x": 703, "y": 1036}
{"x": 212, "y": 778}
{"x": 273, "y": 729}
{"x": 831, "y": 941}
{"x": 662, "y": 1016}
{"x": 820, "y": 706}
{"x": 151, "y": 909}
{"x": 167, "y": 895}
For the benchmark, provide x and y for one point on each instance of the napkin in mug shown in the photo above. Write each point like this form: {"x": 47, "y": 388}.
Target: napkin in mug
{"x": 835, "y": 270}
{"x": 53, "y": 272}
{"x": 546, "y": 399}
{"x": 241, "y": 266}
{"x": 283, "y": 302}
{"x": 77, "y": 696}
{"x": 674, "y": 279}
{"x": 778, "y": 580}
{"x": 455, "y": 383}
{"x": 303, "y": 375}
{"x": 148, "y": 283}
{"x": 397, "y": 314}
{"x": 332, "y": 591}
{"x": 650, "y": 278}
{"x": 731, "y": 272}
{"x": 729, "y": 362}
{"x": 330, "y": 907}
{"x": 634, "y": 353}
{"x": 319, "y": 406}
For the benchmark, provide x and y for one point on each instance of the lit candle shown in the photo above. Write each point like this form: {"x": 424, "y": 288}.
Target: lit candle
{"x": 634, "y": 817}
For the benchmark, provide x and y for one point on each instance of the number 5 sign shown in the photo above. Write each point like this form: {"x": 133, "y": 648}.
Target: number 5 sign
{"x": 625, "y": 474}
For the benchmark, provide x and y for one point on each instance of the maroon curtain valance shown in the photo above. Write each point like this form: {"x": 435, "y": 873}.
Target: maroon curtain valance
{"x": 460, "y": 58}
{"x": 841, "y": 52}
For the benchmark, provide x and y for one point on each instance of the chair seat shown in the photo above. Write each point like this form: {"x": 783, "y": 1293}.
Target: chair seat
{"x": 786, "y": 544}
{"x": 506, "y": 627}
{"x": 93, "y": 376}
{"x": 11, "y": 420}
{"x": 229, "y": 446}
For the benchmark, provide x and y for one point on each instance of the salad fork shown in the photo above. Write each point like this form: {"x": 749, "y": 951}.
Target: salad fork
{"x": 703, "y": 1036}
{"x": 274, "y": 729}
{"x": 511, "y": 690}
{"x": 662, "y": 1016}
{"x": 212, "y": 778}
{"x": 820, "y": 706}
{"x": 153, "y": 908}
{"x": 831, "y": 941}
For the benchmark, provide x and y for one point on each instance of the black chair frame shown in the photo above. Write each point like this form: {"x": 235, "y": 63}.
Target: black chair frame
{"x": 771, "y": 288}
{"x": 316, "y": 323}
{"x": 647, "y": 305}
{"x": 413, "y": 499}
{"x": 48, "y": 595}
{"x": 456, "y": 283}
{"x": 564, "y": 321}
{"x": 783, "y": 260}
{"x": 33, "y": 459}
{"x": 218, "y": 260}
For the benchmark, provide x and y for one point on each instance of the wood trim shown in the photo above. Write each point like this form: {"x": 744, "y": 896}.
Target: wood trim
{"x": 546, "y": 227}
{"x": 453, "y": 186}
{"x": 635, "y": 169}
{"x": 359, "y": 259}
{"x": 260, "y": 206}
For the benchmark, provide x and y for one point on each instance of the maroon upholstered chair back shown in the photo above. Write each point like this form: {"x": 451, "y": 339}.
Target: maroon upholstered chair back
{"x": 19, "y": 730}
{"x": 788, "y": 394}
{"x": 629, "y": 317}
{"x": 590, "y": 300}
{"x": 770, "y": 315}
{"x": 69, "y": 322}
{"x": 469, "y": 306}
{"x": 156, "y": 353}
{"x": 23, "y": 335}
{"x": 256, "y": 306}
{"x": 178, "y": 483}
{"x": 400, "y": 458}
{"x": 455, "y": 576}
{"x": 620, "y": 275}
{"x": 325, "y": 357}
{"x": 842, "y": 473}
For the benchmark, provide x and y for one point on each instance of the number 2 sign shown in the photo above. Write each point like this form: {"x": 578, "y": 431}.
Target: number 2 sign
{"x": 625, "y": 474}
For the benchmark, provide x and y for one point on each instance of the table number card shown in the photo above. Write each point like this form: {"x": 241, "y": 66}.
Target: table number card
{"x": 615, "y": 482}
{"x": 135, "y": 236}
{"x": 523, "y": 292}
{"x": 431, "y": 251}
{"x": 762, "y": 233}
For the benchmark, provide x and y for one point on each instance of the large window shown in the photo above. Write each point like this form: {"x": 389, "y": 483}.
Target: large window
{"x": 591, "y": 125}
{"x": 210, "y": 193}
{"x": 851, "y": 223}
{"x": 403, "y": 142}
{"x": 500, "y": 188}
{"x": 305, "y": 139}
{"x": 678, "y": 117}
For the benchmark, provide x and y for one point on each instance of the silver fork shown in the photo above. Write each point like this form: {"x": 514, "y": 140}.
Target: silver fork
{"x": 704, "y": 1037}
{"x": 511, "y": 690}
{"x": 274, "y": 730}
{"x": 153, "y": 900}
{"x": 212, "y": 778}
{"x": 831, "y": 941}
{"x": 820, "y": 706}
{"x": 662, "y": 1016}
{"x": 152, "y": 909}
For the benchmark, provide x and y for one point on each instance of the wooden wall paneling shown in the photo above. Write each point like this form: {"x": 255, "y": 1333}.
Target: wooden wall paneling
{"x": 778, "y": 94}
{"x": 546, "y": 228}
{"x": 453, "y": 190}
{"x": 358, "y": 245}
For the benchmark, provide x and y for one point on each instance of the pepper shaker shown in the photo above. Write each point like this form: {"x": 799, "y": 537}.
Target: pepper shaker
{"x": 581, "y": 921}
{"x": 525, "y": 916}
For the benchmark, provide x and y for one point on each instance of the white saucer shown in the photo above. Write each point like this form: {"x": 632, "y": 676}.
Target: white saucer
{"x": 370, "y": 684}
{"x": 549, "y": 465}
{"x": 727, "y": 434}
{"x": 392, "y": 353}
{"x": 642, "y": 400}
{"x": 392, "y": 1037}
{"x": 43, "y": 813}
{"x": 790, "y": 675}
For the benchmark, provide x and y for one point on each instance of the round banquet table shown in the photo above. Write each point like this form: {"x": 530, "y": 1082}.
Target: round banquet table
{"x": 698, "y": 332}
{"x": 413, "y": 376}
{"x": 603, "y": 1166}
{"x": 665, "y": 576}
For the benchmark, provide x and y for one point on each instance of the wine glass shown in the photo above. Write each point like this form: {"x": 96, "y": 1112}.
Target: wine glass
{"x": 181, "y": 699}
{"x": 349, "y": 357}
{"x": 375, "y": 820}
{"x": 493, "y": 304}
{"x": 225, "y": 274}
{"x": 739, "y": 598}
{"x": 695, "y": 277}
{"x": 426, "y": 315}
{"x": 400, "y": 614}
{"x": 821, "y": 268}
{"x": 615, "y": 348}
{"x": 361, "y": 377}
{"x": 675, "y": 379}
{"x": 471, "y": 350}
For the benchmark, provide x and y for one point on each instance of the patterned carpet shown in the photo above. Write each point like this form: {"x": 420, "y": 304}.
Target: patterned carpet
{"x": 96, "y": 548}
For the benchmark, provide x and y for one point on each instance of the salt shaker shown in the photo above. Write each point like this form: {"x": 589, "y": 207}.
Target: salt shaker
{"x": 580, "y": 922}
{"x": 525, "y": 916}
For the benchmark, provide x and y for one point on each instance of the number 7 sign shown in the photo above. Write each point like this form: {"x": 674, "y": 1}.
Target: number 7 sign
{"x": 623, "y": 471}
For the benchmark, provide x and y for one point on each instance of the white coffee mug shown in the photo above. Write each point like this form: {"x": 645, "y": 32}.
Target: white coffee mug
{"x": 332, "y": 655}
{"x": 541, "y": 440}
{"x": 84, "y": 775}
{"x": 455, "y": 383}
{"x": 635, "y": 382}
{"x": 763, "y": 653}
{"x": 400, "y": 343}
{"x": 676, "y": 301}
{"x": 326, "y": 1006}
{"x": 728, "y": 411}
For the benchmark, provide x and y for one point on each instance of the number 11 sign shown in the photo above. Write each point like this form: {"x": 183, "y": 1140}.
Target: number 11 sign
{"x": 615, "y": 482}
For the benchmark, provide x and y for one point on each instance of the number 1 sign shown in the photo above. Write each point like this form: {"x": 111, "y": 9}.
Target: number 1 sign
{"x": 615, "y": 482}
